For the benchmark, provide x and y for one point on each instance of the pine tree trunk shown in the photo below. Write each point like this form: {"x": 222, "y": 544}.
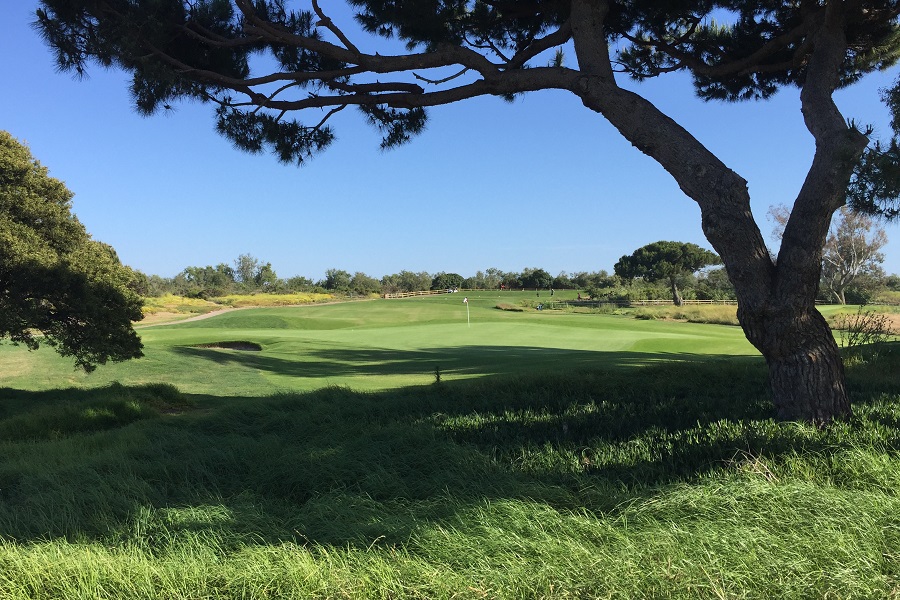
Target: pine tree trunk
{"x": 677, "y": 300}
{"x": 806, "y": 373}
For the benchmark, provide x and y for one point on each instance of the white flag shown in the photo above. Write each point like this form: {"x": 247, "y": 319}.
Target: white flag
{"x": 466, "y": 300}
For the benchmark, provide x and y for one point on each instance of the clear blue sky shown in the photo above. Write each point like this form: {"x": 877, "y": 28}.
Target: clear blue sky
{"x": 541, "y": 183}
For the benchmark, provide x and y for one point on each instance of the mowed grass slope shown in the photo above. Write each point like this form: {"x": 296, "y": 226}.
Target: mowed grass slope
{"x": 639, "y": 472}
{"x": 378, "y": 344}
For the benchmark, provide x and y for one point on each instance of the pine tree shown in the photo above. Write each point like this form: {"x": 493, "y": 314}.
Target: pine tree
{"x": 459, "y": 49}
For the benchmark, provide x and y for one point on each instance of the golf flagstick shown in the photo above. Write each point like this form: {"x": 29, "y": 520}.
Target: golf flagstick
{"x": 466, "y": 302}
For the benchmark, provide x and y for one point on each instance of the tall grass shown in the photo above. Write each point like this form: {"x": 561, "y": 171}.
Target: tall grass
{"x": 712, "y": 314}
{"x": 264, "y": 300}
{"x": 672, "y": 483}
{"x": 178, "y": 304}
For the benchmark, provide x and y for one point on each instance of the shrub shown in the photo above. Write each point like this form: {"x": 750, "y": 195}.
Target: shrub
{"x": 509, "y": 307}
{"x": 865, "y": 330}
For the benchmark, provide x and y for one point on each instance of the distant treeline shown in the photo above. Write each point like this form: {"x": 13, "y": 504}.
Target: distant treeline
{"x": 247, "y": 275}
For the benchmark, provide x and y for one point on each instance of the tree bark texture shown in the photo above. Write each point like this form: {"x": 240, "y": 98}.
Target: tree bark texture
{"x": 806, "y": 374}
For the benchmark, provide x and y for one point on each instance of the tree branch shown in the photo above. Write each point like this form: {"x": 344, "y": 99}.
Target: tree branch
{"x": 329, "y": 24}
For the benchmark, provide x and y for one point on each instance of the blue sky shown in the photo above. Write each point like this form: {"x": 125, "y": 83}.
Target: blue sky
{"x": 542, "y": 182}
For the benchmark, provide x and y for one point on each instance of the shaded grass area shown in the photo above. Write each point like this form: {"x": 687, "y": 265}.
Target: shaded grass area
{"x": 57, "y": 414}
{"x": 667, "y": 480}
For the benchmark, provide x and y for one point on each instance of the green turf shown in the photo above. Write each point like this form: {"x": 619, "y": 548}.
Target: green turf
{"x": 562, "y": 456}
{"x": 380, "y": 344}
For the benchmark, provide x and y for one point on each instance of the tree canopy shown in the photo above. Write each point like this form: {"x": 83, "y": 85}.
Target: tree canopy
{"x": 852, "y": 250}
{"x": 667, "y": 261}
{"x": 276, "y": 73}
{"x": 57, "y": 285}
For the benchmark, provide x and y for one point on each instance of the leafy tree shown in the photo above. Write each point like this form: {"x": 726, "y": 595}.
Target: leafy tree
{"x": 489, "y": 279}
{"x": 715, "y": 285}
{"x": 246, "y": 266}
{"x": 407, "y": 281}
{"x": 337, "y": 280}
{"x": 535, "y": 278}
{"x": 734, "y": 50}
{"x": 363, "y": 284}
{"x": 57, "y": 285}
{"x": 207, "y": 282}
{"x": 299, "y": 283}
{"x": 671, "y": 262}
{"x": 390, "y": 284}
{"x": 444, "y": 281}
{"x": 511, "y": 280}
{"x": 595, "y": 280}
{"x": 562, "y": 281}
{"x": 852, "y": 251}
{"x": 265, "y": 278}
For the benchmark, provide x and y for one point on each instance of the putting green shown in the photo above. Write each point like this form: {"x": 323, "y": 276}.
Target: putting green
{"x": 380, "y": 344}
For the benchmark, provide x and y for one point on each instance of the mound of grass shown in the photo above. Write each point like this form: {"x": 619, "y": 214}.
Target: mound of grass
{"x": 506, "y": 306}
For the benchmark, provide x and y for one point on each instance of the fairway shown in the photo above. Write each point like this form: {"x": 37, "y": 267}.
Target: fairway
{"x": 380, "y": 344}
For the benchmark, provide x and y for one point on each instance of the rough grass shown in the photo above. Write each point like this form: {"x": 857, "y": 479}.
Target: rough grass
{"x": 510, "y": 307}
{"x": 263, "y": 300}
{"x": 667, "y": 482}
{"x": 178, "y": 304}
{"x": 710, "y": 314}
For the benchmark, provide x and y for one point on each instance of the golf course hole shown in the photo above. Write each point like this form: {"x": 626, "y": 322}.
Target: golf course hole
{"x": 239, "y": 345}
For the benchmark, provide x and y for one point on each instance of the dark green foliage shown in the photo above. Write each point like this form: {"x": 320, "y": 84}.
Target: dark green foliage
{"x": 362, "y": 284}
{"x": 710, "y": 38}
{"x": 57, "y": 285}
{"x": 443, "y": 281}
{"x": 535, "y": 278}
{"x": 406, "y": 281}
{"x": 875, "y": 186}
{"x": 660, "y": 260}
{"x": 397, "y": 126}
{"x": 207, "y": 282}
{"x": 203, "y": 51}
{"x": 288, "y": 140}
{"x": 336, "y": 280}
{"x": 665, "y": 261}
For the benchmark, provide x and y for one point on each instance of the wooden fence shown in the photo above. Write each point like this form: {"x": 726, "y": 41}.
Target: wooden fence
{"x": 412, "y": 294}
{"x": 570, "y": 302}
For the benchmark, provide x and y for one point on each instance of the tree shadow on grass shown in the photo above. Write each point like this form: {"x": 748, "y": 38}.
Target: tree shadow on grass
{"x": 459, "y": 360}
{"x": 342, "y": 468}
